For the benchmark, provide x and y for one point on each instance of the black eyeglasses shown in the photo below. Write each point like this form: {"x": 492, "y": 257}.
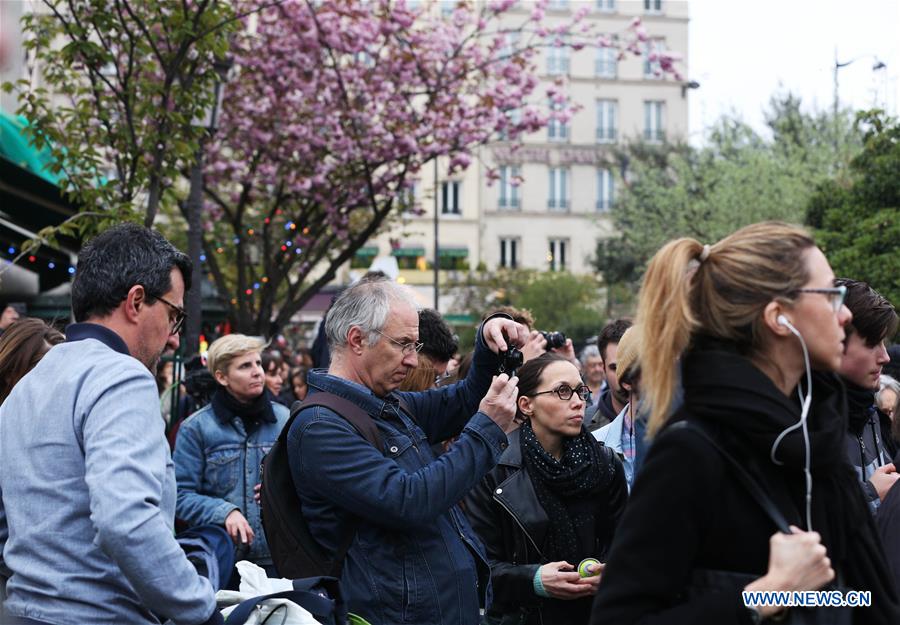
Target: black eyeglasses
{"x": 565, "y": 392}
{"x": 835, "y": 294}
{"x": 405, "y": 348}
{"x": 177, "y": 322}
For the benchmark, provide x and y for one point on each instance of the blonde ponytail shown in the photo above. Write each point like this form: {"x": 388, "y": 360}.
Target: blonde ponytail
{"x": 668, "y": 321}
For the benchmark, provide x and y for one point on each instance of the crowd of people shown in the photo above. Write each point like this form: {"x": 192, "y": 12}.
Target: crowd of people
{"x": 738, "y": 435}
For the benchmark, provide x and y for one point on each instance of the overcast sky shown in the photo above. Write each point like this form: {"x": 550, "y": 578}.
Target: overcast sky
{"x": 740, "y": 52}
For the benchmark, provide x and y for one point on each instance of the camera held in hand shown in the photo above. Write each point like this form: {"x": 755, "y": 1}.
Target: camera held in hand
{"x": 554, "y": 340}
{"x": 512, "y": 359}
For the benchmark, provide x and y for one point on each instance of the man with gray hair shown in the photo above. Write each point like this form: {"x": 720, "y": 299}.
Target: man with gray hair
{"x": 414, "y": 558}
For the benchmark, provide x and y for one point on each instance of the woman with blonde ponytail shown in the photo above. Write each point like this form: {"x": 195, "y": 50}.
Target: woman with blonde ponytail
{"x": 746, "y": 486}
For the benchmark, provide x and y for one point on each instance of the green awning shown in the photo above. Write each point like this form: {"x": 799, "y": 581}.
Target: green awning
{"x": 369, "y": 250}
{"x": 16, "y": 147}
{"x": 454, "y": 252}
{"x": 409, "y": 251}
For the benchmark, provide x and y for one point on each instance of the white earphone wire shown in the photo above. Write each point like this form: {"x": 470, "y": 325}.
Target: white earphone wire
{"x": 805, "y": 404}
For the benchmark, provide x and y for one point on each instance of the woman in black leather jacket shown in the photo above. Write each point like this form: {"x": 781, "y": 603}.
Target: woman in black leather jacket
{"x": 554, "y": 499}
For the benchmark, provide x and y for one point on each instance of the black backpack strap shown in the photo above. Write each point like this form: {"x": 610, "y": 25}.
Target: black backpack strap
{"x": 362, "y": 423}
{"x": 756, "y": 491}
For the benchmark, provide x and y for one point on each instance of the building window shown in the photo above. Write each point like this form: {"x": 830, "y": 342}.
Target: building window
{"x": 510, "y": 44}
{"x": 605, "y": 190}
{"x": 515, "y": 118}
{"x": 557, "y": 130}
{"x": 509, "y": 253}
{"x": 652, "y": 50}
{"x": 607, "y": 114}
{"x": 559, "y": 189}
{"x": 558, "y": 58}
{"x": 653, "y": 120}
{"x": 653, "y": 6}
{"x": 556, "y": 255}
{"x": 607, "y": 6}
{"x": 406, "y": 199}
{"x": 450, "y": 197}
{"x": 558, "y": 5}
{"x": 606, "y": 62}
{"x": 447, "y": 7}
{"x": 509, "y": 187}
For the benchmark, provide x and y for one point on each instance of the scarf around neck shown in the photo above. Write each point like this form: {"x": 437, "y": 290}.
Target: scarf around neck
{"x": 724, "y": 388}
{"x": 860, "y": 402}
{"x": 227, "y": 407}
{"x": 579, "y": 475}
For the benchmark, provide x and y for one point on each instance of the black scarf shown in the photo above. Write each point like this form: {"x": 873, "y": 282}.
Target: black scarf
{"x": 227, "y": 407}
{"x": 565, "y": 489}
{"x": 859, "y": 406}
{"x": 724, "y": 388}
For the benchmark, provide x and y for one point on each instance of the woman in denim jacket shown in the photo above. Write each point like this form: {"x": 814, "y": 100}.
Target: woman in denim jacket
{"x": 220, "y": 447}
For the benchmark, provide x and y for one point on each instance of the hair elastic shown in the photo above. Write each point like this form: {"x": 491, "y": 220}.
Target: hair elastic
{"x": 705, "y": 253}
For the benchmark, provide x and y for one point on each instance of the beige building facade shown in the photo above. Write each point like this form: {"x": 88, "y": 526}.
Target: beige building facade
{"x": 553, "y": 218}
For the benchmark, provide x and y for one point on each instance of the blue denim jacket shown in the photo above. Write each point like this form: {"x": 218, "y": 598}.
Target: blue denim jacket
{"x": 217, "y": 466}
{"x": 415, "y": 559}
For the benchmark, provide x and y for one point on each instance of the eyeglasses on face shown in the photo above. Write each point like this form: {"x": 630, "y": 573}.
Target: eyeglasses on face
{"x": 406, "y": 348}
{"x": 565, "y": 392}
{"x": 176, "y": 321}
{"x": 835, "y": 294}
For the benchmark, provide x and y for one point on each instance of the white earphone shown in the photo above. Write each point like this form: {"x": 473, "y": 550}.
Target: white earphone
{"x": 805, "y": 403}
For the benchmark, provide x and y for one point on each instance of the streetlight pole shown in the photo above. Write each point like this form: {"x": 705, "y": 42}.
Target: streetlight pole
{"x": 437, "y": 249}
{"x": 194, "y": 208}
{"x": 878, "y": 65}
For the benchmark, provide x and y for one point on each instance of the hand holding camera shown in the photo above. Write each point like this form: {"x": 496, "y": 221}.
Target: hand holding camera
{"x": 500, "y": 402}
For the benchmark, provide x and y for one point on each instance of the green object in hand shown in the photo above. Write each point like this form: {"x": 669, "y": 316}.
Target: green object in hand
{"x": 583, "y": 567}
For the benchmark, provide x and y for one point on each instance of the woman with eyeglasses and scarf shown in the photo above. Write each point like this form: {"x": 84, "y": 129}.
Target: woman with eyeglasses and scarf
{"x": 553, "y": 500}
{"x": 747, "y": 486}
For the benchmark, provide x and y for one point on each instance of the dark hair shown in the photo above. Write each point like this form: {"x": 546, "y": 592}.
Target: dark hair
{"x": 519, "y": 315}
{"x": 22, "y": 346}
{"x": 118, "y": 259}
{"x": 530, "y": 374}
{"x": 874, "y": 318}
{"x": 302, "y": 372}
{"x": 440, "y": 343}
{"x": 269, "y": 356}
{"x": 892, "y": 368}
{"x": 611, "y": 333}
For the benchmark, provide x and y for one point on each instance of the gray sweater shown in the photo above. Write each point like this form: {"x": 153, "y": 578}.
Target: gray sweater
{"x": 88, "y": 494}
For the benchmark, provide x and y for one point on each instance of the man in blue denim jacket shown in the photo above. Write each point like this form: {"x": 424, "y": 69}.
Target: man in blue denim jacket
{"x": 87, "y": 485}
{"x": 414, "y": 559}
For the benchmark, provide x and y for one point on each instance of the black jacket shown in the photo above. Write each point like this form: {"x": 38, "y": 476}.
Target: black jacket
{"x": 604, "y": 413}
{"x": 505, "y": 512}
{"x": 688, "y": 511}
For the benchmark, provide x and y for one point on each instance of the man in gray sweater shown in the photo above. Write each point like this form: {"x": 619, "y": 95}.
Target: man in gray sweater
{"x": 87, "y": 485}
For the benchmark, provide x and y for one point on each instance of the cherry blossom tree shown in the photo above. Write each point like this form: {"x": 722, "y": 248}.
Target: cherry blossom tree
{"x": 335, "y": 107}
